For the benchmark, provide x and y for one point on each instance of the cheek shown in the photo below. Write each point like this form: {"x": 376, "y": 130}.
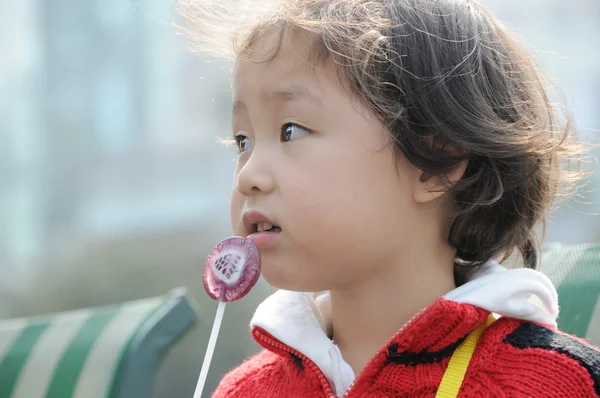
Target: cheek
{"x": 358, "y": 201}
{"x": 343, "y": 215}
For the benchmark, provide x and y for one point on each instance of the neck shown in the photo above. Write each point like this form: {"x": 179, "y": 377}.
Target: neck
{"x": 365, "y": 316}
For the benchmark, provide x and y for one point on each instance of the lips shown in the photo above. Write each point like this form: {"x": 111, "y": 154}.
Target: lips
{"x": 260, "y": 229}
{"x": 255, "y": 221}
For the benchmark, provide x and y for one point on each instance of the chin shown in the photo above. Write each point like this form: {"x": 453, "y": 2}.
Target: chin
{"x": 280, "y": 279}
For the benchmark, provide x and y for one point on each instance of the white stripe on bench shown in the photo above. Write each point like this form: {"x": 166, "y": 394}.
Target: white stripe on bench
{"x": 101, "y": 363}
{"x": 37, "y": 373}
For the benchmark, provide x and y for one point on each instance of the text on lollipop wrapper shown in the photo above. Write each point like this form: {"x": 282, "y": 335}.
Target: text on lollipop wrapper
{"x": 227, "y": 267}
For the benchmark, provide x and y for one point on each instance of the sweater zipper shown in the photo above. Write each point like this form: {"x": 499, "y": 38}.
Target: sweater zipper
{"x": 276, "y": 344}
{"x": 383, "y": 349}
{"x": 266, "y": 339}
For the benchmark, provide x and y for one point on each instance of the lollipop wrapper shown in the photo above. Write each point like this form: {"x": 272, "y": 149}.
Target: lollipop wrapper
{"x": 231, "y": 269}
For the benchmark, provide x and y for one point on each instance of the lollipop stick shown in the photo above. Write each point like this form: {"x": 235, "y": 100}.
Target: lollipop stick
{"x": 212, "y": 341}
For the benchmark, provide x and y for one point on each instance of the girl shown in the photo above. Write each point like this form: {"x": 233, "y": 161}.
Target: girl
{"x": 389, "y": 152}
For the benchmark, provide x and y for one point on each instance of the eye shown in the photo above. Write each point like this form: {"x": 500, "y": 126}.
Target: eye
{"x": 243, "y": 143}
{"x": 292, "y": 131}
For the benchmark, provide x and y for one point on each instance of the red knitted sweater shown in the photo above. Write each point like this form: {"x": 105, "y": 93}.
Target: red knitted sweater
{"x": 512, "y": 359}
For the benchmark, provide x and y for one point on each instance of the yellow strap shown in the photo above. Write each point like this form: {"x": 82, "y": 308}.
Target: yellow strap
{"x": 459, "y": 362}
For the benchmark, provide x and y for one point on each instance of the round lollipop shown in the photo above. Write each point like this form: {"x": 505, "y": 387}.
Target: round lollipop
{"x": 231, "y": 270}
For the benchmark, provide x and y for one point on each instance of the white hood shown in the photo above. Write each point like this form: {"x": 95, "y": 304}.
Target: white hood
{"x": 296, "y": 320}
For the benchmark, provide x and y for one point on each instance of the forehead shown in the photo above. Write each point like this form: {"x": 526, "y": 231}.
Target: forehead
{"x": 292, "y": 65}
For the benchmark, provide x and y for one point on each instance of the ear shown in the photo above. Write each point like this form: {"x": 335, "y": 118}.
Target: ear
{"x": 430, "y": 187}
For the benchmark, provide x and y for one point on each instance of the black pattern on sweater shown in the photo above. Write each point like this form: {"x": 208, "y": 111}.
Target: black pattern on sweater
{"x": 530, "y": 335}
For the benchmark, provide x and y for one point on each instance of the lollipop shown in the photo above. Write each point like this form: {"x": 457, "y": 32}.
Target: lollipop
{"x": 231, "y": 270}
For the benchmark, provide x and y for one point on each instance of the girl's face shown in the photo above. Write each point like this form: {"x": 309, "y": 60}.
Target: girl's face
{"x": 321, "y": 167}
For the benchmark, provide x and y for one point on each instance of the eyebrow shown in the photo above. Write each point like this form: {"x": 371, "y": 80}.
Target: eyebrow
{"x": 292, "y": 94}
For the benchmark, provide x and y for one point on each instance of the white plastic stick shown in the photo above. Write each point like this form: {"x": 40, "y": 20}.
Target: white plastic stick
{"x": 212, "y": 342}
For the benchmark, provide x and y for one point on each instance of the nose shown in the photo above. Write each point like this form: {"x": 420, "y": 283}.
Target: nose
{"x": 256, "y": 175}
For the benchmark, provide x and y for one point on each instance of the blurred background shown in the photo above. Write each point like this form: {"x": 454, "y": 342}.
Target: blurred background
{"x": 113, "y": 185}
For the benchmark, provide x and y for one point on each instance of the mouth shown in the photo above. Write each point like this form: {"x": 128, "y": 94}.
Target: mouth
{"x": 264, "y": 227}
{"x": 256, "y": 222}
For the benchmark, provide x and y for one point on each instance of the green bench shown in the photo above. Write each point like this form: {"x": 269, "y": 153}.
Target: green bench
{"x": 575, "y": 270}
{"x": 107, "y": 352}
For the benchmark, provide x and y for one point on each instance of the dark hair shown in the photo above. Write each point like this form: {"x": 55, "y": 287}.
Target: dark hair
{"x": 452, "y": 85}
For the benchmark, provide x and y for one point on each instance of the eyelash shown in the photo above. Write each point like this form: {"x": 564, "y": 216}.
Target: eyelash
{"x": 239, "y": 138}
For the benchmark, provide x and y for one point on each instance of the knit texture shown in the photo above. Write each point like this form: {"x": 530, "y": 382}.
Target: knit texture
{"x": 512, "y": 359}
